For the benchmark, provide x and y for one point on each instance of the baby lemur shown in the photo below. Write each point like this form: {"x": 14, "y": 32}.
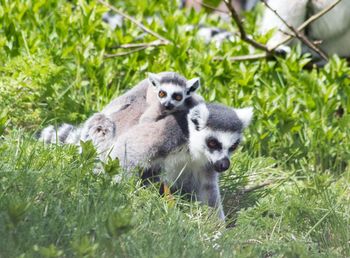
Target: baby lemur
{"x": 168, "y": 93}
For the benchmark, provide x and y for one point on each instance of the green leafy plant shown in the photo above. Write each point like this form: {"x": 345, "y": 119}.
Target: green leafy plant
{"x": 286, "y": 194}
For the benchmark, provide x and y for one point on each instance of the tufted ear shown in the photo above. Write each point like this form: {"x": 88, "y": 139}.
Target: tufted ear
{"x": 198, "y": 116}
{"x": 192, "y": 85}
{"x": 154, "y": 80}
{"x": 245, "y": 115}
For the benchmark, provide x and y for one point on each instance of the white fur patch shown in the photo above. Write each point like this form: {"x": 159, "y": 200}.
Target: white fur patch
{"x": 245, "y": 115}
{"x": 198, "y": 117}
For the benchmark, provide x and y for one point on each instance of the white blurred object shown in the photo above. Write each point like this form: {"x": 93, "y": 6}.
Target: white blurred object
{"x": 332, "y": 29}
{"x": 113, "y": 20}
{"x": 213, "y": 34}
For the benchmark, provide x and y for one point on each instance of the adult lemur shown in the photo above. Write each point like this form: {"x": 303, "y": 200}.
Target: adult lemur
{"x": 190, "y": 148}
{"x": 333, "y": 29}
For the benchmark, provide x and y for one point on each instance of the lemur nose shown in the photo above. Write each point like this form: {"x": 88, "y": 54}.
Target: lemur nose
{"x": 222, "y": 165}
{"x": 169, "y": 106}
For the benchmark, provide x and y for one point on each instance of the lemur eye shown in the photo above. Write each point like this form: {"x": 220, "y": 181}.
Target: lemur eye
{"x": 213, "y": 144}
{"x": 162, "y": 94}
{"x": 234, "y": 146}
{"x": 178, "y": 97}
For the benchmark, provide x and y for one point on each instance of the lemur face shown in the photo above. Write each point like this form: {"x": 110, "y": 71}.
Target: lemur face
{"x": 173, "y": 90}
{"x": 215, "y": 132}
{"x": 171, "y": 97}
{"x": 219, "y": 147}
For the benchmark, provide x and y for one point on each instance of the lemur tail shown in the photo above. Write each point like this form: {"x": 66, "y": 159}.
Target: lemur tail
{"x": 65, "y": 134}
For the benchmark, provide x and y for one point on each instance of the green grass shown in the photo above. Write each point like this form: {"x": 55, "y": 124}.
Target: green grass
{"x": 52, "y": 70}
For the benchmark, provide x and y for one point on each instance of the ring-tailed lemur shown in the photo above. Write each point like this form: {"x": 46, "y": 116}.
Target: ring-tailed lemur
{"x": 189, "y": 147}
{"x": 168, "y": 94}
{"x": 333, "y": 28}
{"x": 155, "y": 97}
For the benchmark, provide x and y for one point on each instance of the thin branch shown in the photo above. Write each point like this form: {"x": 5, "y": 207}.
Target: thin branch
{"x": 297, "y": 33}
{"x": 242, "y": 31}
{"x": 307, "y": 22}
{"x": 155, "y": 43}
{"x": 125, "y": 53}
{"x": 286, "y": 33}
{"x": 136, "y": 22}
{"x": 252, "y": 57}
{"x": 316, "y": 42}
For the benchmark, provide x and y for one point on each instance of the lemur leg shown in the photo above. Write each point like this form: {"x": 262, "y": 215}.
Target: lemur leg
{"x": 152, "y": 114}
{"x": 209, "y": 192}
{"x": 292, "y": 11}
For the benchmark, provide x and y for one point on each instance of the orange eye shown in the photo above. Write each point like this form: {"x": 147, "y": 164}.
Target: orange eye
{"x": 162, "y": 94}
{"x": 178, "y": 97}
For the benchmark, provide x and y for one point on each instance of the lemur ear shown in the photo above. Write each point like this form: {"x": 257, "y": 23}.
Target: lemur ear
{"x": 198, "y": 116}
{"x": 245, "y": 115}
{"x": 192, "y": 85}
{"x": 154, "y": 79}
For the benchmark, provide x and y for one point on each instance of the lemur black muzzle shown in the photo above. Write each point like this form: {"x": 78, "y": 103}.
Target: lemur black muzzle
{"x": 222, "y": 165}
{"x": 169, "y": 106}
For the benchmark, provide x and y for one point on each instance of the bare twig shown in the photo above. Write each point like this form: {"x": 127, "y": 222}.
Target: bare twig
{"x": 136, "y": 22}
{"x": 307, "y": 22}
{"x": 155, "y": 43}
{"x": 242, "y": 31}
{"x": 297, "y": 33}
{"x": 252, "y": 57}
{"x": 286, "y": 33}
{"x": 125, "y": 53}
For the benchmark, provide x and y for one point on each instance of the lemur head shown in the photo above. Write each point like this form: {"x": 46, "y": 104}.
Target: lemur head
{"x": 215, "y": 132}
{"x": 172, "y": 89}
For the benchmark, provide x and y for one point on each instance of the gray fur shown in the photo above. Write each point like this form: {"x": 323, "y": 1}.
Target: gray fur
{"x": 173, "y": 78}
{"x": 51, "y": 135}
{"x": 63, "y": 132}
{"x": 220, "y": 119}
{"x": 140, "y": 144}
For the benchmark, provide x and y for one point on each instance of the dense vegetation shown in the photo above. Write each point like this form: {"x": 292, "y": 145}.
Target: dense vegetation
{"x": 53, "y": 70}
